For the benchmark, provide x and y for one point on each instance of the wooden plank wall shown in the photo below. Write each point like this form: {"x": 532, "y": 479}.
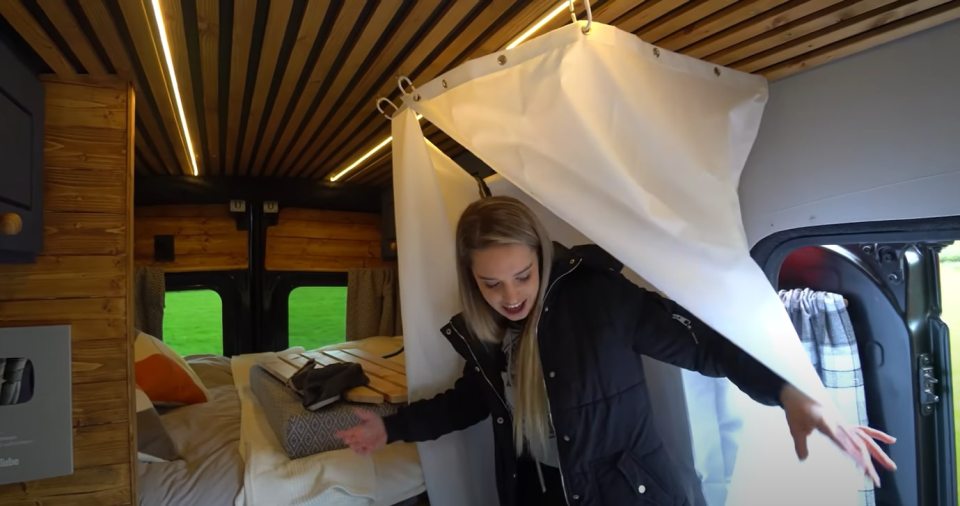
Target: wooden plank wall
{"x": 83, "y": 278}
{"x": 315, "y": 240}
{"x": 205, "y": 237}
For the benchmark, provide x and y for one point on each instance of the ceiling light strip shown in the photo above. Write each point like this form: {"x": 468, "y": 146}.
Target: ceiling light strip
{"x": 539, "y": 24}
{"x": 562, "y": 7}
{"x": 162, "y": 29}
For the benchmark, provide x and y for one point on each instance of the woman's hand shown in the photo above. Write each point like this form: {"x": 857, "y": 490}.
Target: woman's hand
{"x": 805, "y": 414}
{"x": 370, "y": 435}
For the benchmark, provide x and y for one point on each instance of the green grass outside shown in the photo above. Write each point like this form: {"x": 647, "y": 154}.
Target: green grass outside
{"x": 950, "y": 297}
{"x": 318, "y": 316}
{"x": 192, "y": 320}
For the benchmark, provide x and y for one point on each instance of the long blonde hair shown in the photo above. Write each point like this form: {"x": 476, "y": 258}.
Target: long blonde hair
{"x": 495, "y": 221}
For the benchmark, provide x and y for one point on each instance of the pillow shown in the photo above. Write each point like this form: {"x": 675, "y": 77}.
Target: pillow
{"x": 153, "y": 441}
{"x": 163, "y": 375}
{"x": 301, "y": 432}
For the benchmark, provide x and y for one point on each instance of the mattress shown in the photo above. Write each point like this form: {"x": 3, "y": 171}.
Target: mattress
{"x": 207, "y": 436}
{"x": 230, "y": 455}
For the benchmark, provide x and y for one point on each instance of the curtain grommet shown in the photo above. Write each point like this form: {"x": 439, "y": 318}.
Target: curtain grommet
{"x": 716, "y": 71}
{"x": 502, "y": 59}
{"x": 656, "y": 52}
{"x": 443, "y": 82}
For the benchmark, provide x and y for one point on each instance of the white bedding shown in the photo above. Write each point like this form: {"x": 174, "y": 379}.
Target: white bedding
{"x": 332, "y": 478}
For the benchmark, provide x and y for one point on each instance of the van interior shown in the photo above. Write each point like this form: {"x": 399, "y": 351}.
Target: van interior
{"x": 187, "y": 187}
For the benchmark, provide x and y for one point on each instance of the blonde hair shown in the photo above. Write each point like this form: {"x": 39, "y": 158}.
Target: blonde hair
{"x": 495, "y": 221}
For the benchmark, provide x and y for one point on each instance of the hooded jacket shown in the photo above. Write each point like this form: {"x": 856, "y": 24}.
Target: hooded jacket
{"x": 594, "y": 327}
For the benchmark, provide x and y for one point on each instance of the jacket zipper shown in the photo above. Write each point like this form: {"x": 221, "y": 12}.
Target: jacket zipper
{"x": 563, "y": 484}
{"x": 482, "y": 372}
{"x": 688, "y": 324}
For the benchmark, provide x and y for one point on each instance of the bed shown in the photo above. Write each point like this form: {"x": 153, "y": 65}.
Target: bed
{"x": 231, "y": 456}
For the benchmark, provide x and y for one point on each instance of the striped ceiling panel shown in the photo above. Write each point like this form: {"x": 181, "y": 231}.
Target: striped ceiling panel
{"x": 286, "y": 88}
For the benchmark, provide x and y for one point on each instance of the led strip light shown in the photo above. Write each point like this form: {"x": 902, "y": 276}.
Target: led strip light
{"x": 158, "y": 17}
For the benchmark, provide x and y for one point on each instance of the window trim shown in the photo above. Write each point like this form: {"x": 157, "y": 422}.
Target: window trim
{"x": 771, "y": 251}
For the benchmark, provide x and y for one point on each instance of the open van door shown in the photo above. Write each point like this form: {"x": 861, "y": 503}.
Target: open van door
{"x": 890, "y": 276}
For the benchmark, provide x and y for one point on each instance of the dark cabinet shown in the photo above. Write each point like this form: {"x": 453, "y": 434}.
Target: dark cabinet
{"x": 21, "y": 160}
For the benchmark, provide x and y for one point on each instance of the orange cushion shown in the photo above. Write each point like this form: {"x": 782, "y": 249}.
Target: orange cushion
{"x": 164, "y": 376}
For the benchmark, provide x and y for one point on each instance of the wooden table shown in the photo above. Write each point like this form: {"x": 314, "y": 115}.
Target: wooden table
{"x": 388, "y": 377}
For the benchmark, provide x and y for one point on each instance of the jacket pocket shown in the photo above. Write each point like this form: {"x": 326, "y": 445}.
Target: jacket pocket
{"x": 623, "y": 480}
{"x": 645, "y": 487}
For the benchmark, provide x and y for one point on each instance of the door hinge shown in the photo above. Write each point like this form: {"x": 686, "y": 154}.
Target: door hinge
{"x": 927, "y": 380}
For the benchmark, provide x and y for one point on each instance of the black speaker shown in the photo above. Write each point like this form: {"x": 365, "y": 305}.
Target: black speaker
{"x": 163, "y": 248}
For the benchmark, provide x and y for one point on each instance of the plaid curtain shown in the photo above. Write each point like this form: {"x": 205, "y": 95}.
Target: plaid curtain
{"x": 827, "y": 335}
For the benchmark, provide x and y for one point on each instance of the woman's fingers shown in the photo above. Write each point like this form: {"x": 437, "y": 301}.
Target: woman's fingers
{"x": 354, "y": 437}
{"x": 852, "y": 445}
{"x": 800, "y": 444}
{"x": 875, "y": 451}
{"x": 881, "y": 436}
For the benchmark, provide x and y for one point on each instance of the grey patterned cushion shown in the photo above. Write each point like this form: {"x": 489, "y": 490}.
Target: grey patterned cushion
{"x": 299, "y": 431}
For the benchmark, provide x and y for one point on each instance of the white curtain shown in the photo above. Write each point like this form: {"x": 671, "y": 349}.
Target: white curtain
{"x": 638, "y": 148}
{"x": 430, "y": 192}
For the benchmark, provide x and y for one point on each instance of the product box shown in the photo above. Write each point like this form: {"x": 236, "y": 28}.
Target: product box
{"x": 36, "y": 419}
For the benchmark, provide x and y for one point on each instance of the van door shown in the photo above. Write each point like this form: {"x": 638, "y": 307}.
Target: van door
{"x": 893, "y": 287}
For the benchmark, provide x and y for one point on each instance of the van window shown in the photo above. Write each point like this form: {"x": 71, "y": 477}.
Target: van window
{"x": 317, "y": 316}
{"x": 193, "y": 322}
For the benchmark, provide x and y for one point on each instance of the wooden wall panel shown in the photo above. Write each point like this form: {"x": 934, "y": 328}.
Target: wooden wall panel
{"x": 315, "y": 240}
{"x": 82, "y": 277}
{"x": 205, "y": 237}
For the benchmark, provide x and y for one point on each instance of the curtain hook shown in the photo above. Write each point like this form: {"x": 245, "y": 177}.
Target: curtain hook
{"x": 573, "y": 14}
{"x": 586, "y": 4}
{"x": 404, "y": 82}
{"x": 382, "y": 111}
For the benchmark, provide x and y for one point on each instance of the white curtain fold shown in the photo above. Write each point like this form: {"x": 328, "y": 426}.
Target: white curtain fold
{"x": 640, "y": 150}
{"x": 430, "y": 193}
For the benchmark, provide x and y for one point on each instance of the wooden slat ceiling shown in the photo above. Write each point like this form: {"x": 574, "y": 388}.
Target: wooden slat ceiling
{"x": 286, "y": 88}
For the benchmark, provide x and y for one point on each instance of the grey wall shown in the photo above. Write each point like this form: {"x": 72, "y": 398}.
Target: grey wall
{"x": 874, "y": 136}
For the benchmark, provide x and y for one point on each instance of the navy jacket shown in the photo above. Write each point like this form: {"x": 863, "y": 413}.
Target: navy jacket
{"x": 595, "y": 326}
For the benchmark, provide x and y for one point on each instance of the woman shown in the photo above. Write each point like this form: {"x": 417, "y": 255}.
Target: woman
{"x": 552, "y": 340}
